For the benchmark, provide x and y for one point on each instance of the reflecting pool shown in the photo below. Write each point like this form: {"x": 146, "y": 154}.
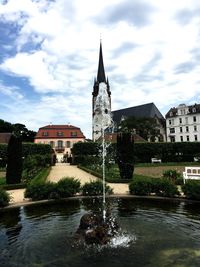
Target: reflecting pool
{"x": 153, "y": 233}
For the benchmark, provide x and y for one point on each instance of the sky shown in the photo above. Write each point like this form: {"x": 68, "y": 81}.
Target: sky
{"x": 49, "y": 53}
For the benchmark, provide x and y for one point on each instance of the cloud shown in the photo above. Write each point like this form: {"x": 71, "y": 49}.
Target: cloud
{"x": 13, "y": 92}
{"x": 185, "y": 67}
{"x": 137, "y": 13}
{"x": 185, "y": 16}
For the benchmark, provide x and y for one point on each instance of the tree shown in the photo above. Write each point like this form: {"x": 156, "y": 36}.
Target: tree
{"x": 5, "y": 127}
{"x": 17, "y": 129}
{"x": 147, "y": 128}
{"x": 14, "y": 163}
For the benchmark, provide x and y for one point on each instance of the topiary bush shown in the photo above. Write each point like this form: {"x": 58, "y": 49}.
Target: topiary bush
{"x": 95, "y": 188}
{"x": 191, "y": 189}
{"x": 39, "y": 191}
{"x": 144, "y": 186}
{"x": 4, "y": 198}
{"x": 67, "y": 187}
{"x": 173, "y": 176}
{"x": 141, "y": 186}
{"x": 14, "y": 163}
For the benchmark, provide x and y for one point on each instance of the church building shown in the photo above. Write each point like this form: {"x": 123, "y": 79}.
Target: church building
{"x": 101, "y": 100}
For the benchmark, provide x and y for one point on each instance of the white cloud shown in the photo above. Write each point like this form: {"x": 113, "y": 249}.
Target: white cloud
{"x": 64, "y": 40}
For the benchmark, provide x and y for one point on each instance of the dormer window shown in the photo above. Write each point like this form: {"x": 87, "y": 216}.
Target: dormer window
{"x": 193, "y": 109}
{"x": 171, "y": 114}
{"x": 45, "y": 134}
{"x": 60, "y": 134}
{"x": 73, "y": 134}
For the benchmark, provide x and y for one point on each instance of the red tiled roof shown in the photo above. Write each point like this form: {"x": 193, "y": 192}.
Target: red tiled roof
{"x": 59, "y": 131}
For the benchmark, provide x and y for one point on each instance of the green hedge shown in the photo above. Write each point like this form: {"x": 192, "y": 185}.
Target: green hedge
{"x": 143, "y": 152}
{"x": 4, "y": 198}
{"x": 191, "y": 189}
{"x": 66, "y": 187}
{"x": 95, "y": 188}
{"x": 146, "y": 186}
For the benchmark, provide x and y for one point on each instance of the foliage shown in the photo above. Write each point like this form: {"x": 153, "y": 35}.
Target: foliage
{"x": 41, "y": 176}
{"x": 40, "y": 190}
{"x": 125, "y": 155}
{"x": 147, "y": 186}
{"x": 33, "y": 164}
{"x": 192, "y": 189}
{"x": 4, "y": 198}
{"x": 32, "y": 149}
{"x": 173, "y": 176}
{"x": 18, "y": 130}
{"x": 147, "y": 128}
{"x": 14, "y": 163}
{"x": 3, "y": 155}
{"x": 95, "y": 188}
{"x": 67, "y": 187}
{"x": 167, "y": 152}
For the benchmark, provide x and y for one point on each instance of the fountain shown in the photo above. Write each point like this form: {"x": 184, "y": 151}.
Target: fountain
{"x": 95, "y": 228}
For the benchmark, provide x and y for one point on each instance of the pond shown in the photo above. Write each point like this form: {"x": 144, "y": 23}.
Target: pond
{"x": 153, "y": 233}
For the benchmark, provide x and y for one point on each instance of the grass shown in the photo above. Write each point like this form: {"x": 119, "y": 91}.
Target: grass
{"x": 41, "y": 176}
{"x": 2, "y": 180}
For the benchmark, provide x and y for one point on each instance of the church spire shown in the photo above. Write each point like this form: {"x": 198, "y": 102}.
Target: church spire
{"x": 101, "y": 72}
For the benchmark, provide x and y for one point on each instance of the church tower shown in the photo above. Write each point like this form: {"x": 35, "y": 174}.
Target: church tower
{"x": 101, "y": 90}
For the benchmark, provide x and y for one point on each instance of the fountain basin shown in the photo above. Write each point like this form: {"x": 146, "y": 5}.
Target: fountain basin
{"x": 152, "y": 233}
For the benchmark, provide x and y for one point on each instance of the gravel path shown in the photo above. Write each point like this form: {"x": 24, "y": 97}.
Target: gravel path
{"x": 63, "y": 170}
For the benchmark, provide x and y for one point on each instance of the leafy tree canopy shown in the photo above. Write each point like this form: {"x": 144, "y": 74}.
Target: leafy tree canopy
{"x": 147, "y": 128}
{"x": 18, "y": 130}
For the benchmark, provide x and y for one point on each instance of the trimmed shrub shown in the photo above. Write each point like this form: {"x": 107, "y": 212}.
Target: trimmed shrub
{"x": 4, "y": 198}
{"x": 164, "y": 188}
{"x": 95, "y": 188}
{"x": 67, "y": 187}
{"x": 173, "y": 176}
{"x": 14, "y": 164}
{"x": 39, "y": 191}
{"x": 141, "y": 186}
{"x": 147, "y": 186}
{"x": 192, "y": 189}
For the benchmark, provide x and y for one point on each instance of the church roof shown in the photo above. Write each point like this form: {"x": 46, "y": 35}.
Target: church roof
{"x": 101, "y": 77}
{"x": 142, "y": 111}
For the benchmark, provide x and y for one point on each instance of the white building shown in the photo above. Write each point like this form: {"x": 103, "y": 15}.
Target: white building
{"x": 183, "y": 123}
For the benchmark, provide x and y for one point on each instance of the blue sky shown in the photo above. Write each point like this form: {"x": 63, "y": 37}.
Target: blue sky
{"x": 49, "y": 57}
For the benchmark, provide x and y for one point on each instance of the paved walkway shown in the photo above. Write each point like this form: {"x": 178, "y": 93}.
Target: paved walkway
{"x": 63, "y": 170}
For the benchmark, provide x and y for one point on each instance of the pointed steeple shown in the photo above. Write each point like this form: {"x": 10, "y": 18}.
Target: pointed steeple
{"x": 101, "y": 72}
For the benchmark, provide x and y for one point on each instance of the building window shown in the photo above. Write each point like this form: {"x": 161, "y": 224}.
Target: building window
{"x": 73, "y": 134}
{"x": 45, "y": 134}
{"x": 195, "y": 128}
{"x": 68, "y": 144}
{"x": 172, "y": 130}
{"x": 52, "y": 144}
{"x": 186, "y": 120}
{"x": 180, "y": 120}
{"x": 195, "y": 138}
{"x": 187, "y": 129}
{"x": 194, "y": 119}
{"x": 60, "y": 143}
{"x": 172, "y": 139}
{"x": 60, "y": 134}
{"x": 181, "y": 138}
{"x": 181, "y": 129}
{"x": 194, "y": 110}
{"x": 188, "y": 138}
{"x": 170, "y": 122}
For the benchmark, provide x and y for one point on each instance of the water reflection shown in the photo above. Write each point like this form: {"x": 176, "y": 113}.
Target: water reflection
{"x": 11, "y": 221}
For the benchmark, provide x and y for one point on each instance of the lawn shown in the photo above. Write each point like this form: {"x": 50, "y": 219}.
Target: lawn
{"x": 157, "y": 171}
